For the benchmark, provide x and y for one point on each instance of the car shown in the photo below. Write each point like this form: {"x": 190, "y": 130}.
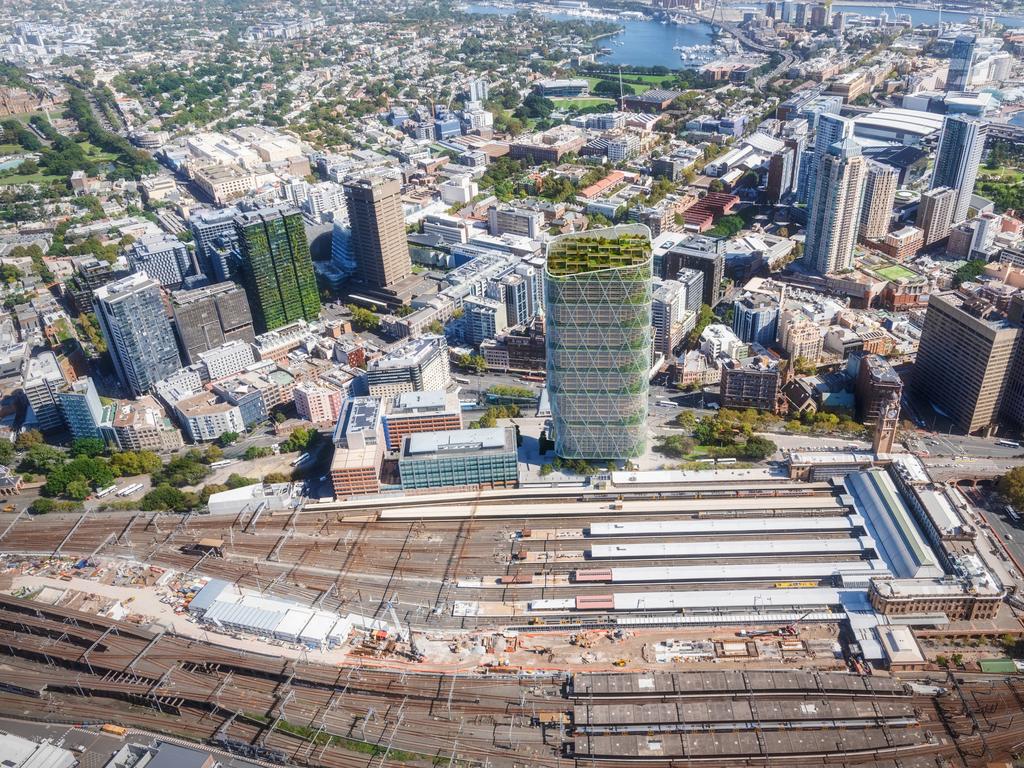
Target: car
{"x": 1008, "y": 536}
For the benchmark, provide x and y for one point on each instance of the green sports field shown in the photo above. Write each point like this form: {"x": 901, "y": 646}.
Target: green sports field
{"x": 894, "y": 272}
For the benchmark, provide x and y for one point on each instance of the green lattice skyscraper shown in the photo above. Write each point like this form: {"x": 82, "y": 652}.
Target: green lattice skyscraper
{"x": 597, "y": 295}
{"x": 277, "y": 267}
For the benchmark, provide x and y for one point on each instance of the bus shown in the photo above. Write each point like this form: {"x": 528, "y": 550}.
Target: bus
{"x": 301, "y": 459}
{"x": 460, "y": 379}
{"x": 105, "y": 491}
{"x": 129, "y": 490}
{"x": 667, "y": 403}
{"x": 1008, "y": 443}
{"x": 540, "y": 376}
{"x": 725, "y": 461}
{"x": 1011, "y": 513}
{"x": 222, "y": 463}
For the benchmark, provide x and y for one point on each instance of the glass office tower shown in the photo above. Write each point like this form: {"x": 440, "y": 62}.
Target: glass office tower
{"x": 597, "y": 294}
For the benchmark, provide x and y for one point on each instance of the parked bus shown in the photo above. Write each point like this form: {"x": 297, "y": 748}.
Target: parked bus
{"x": 105, "y": 491}
{"x": 460, "y": 379}
{"x": 301, "y": 459}
{"x": 1008, "y": 443}
{"x": 541, "y": 377}
{"x": 222, "y": 463}
{"x": 129, "y": 490}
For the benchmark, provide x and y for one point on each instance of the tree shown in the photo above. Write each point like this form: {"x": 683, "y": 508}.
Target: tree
{"x": 6, "y": 453}
{"x": 236, "y": 480}
{"x": 716, "y": 185}
{"x": 132, "y": 463}
{"x": 686, "y": 420}
{"x": 214, "y": 453}
{"x": 969, "y": 271}
{"x": 41, "y": 458}
{"x": 363, "y": 319}
{"x": 256, "y": 452}
{"x": 42, "y": 506}
{"x": 674, "y": 446}
{"x": 1011, "y": 485}
{"x": 704, "y": 319}
{"x": 804, "y": 367}
{"x": 88, "y": 446}
{"x": 77, "y": 490}
{"x": 280, "y": 418}
{"x": 758, "y": 448}
{"x": 166, "y": 498}
{"x": 276, "y": 477}
{"x": 545, "y": 470}
{"x": 28, "y": 438}
{"x": 227, "y": 438}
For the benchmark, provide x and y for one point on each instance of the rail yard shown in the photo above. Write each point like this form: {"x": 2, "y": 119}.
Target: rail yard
{"x": 678, "y": 566}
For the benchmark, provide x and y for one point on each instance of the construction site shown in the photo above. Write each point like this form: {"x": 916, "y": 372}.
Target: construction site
{"x": 721, "y": 617}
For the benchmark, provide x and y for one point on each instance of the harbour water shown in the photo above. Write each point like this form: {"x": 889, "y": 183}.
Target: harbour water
{"x": 646, "y": 43}
{"x": 650, "y": 43}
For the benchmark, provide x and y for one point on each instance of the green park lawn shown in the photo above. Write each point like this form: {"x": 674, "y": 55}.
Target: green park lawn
{"x": 582, "y": 102}
{"x": 894, "y": 272}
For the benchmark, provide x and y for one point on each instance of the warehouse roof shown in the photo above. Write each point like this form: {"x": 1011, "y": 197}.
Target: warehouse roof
{"x": 747, "y": 571}
{"x": 730, "y": 526}
{"x": 752, "y": 547}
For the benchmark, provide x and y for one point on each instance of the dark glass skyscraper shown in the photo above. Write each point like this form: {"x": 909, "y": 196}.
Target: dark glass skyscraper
{"x": 961, "y": 59}
{"x": 961, "y": 145}
{"x": 277, "y": 267}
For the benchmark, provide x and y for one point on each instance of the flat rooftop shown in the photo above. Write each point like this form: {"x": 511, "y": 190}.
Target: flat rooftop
{"x": 425, "y": 403}
{"x": 425, "y": 444}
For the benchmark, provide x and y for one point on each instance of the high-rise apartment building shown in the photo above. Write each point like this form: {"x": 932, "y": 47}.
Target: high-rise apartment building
{"x": 597, "y": 290}
{"x": 755, "y": 318}
{"x": 751, "y": 383}
{"x": 961, "y": 60}
{"x": 318, "y": 404}
{"x": 879, "y": 201}
{"x": 964, "y": 359}
{"x": 163, "y": 257}
{"x": 137, "y": 331}
{"x": 42, "y": 382}
{"x": 703, "y": 254}
{"x": 418, "y": 365}
{"x": 90, "y": 274}
{"x": 935, "y": 213}
{"x": 215, "y": 236}
{"x": 277, "y": 267}
{"x": 82, "y": 409}
{"x": 483, "y": 319}
{"x": 830, "y": 128}
{"x": 378, "y": 240}
{"x": 669, "y": 316}
{"x": 835, "y": 205}
{"x": 207, "y": 317}
{"x": 958, "y": 158}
